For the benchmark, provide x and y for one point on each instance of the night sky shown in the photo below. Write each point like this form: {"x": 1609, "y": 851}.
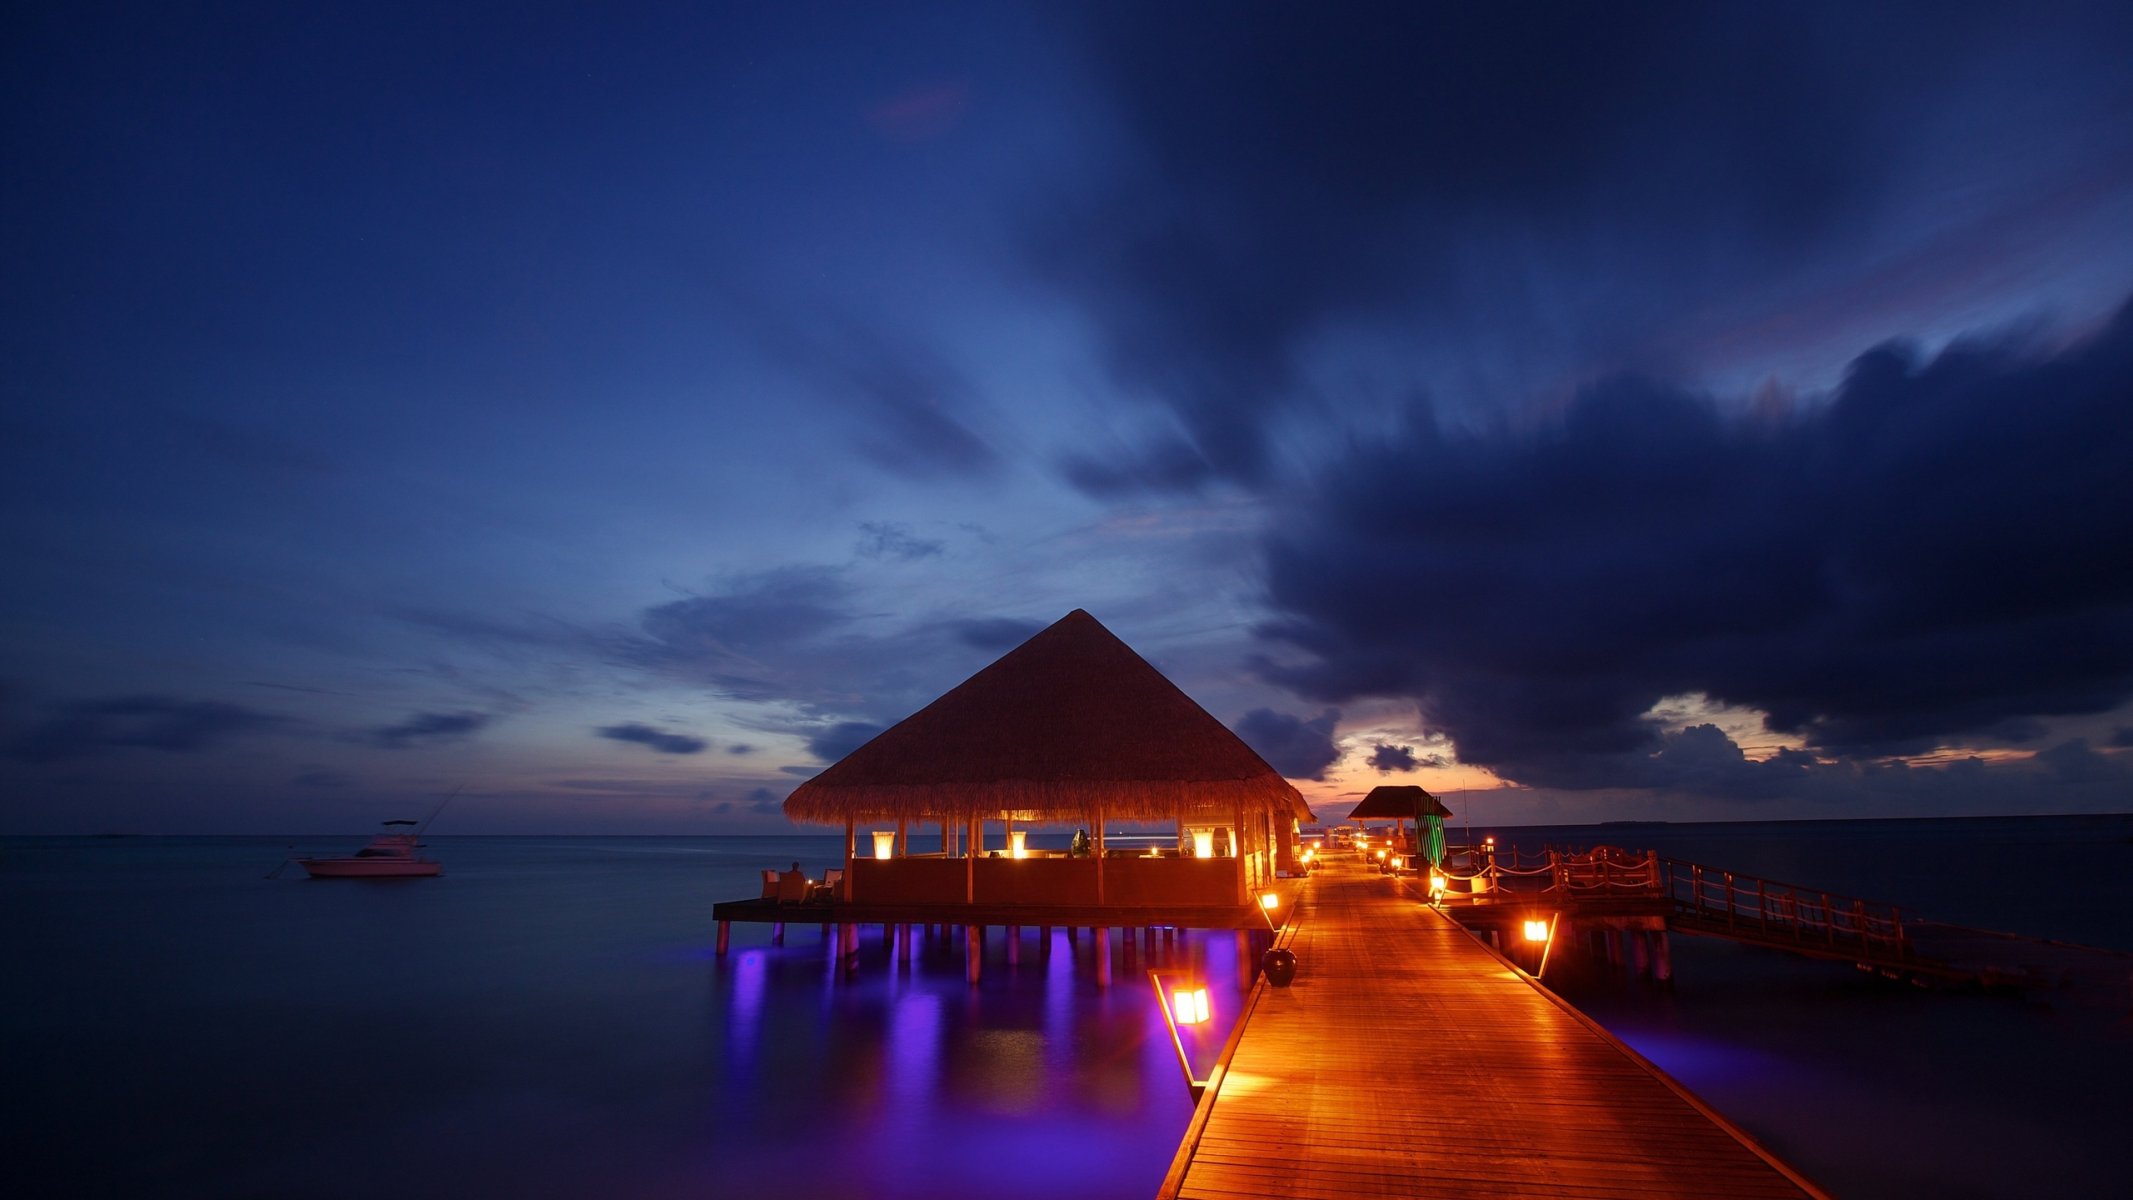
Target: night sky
{"x": 1642, "y": 411}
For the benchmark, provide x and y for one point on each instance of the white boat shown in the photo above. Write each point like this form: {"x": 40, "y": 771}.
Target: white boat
{"x": 390, "y": 855}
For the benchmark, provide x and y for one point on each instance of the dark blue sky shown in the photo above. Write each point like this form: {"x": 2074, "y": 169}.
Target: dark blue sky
{"x": 1597, "y": 412}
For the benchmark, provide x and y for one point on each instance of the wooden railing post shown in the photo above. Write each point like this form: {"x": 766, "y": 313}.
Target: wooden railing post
{"x": 1729, "y": 901}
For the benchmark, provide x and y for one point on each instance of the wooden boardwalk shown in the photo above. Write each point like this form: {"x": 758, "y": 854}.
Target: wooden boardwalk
{"x": 1408, "y": 1060}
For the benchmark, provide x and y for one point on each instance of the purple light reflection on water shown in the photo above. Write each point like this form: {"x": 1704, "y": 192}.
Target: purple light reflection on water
{"x": 1035, "y": 1081}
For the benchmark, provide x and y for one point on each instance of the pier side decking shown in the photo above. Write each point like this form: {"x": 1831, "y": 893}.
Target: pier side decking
{"x": 1408, "y": 1060}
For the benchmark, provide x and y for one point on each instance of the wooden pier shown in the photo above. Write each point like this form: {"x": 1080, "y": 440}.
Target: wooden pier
{"x": 1407, "y": 1059}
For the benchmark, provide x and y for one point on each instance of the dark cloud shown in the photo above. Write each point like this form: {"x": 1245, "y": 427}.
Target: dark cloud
{"x": 1297, "y": 748}
{"x": 888, "y": 539}
{"x": 835, "y": 741}
{"x": 740, "y": 748}
{"x": 763, "y": 800}
{"x": 1386, "y": 760}
{"x": 1467, "y": 173}
{"x": 1939, "y": 551}
{"x": 95, "y": 727}
{"x": 2122, "y": 737}
{"x": 738, "y": 639}
{"x": 427, "y": 729}
{"x": 657, "y": 739}
{"x": 911, "y": 405}
{"x": 797, "y": 634}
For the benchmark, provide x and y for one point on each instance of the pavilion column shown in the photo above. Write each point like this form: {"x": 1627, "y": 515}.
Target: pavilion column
{"x": 970, "y": 865}
{"x": 947, "y": 842}
{"x": 1287, "y": 831}
{"x": 1236, "y": 848}
{"x": 851, "y": 851}
{"x": 1100, "y": 855}
{"x": 903, "y": 832}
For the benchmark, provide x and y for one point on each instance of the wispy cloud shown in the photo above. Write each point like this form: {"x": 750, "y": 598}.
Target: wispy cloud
{"x": 427, "y": 728}
{"x": 657, "y": 739}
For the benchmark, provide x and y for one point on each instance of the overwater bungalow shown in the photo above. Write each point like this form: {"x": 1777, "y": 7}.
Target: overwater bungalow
{"x": 1071, "y": 730}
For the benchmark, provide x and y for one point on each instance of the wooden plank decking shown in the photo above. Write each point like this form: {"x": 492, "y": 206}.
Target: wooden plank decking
{"x": 1408, "y": 1060}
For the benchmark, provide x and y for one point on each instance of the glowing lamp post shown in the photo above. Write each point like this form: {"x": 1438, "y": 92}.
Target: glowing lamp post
{"x": 1183, "y": 1000}
{"x": 1436, "y": 885}
{"x": 1018, "y": 844}
{"x": 885, "y": 843}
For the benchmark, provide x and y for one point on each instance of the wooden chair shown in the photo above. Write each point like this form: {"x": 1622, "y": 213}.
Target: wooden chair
{"x": 770, "y": 884}
{"x": 832, "y": 883}
{"x": 792, "y": 887}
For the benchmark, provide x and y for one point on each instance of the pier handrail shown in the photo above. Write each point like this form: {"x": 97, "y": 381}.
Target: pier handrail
{"x": 1766, "y": 908}
{"x": 1716, "y": 900}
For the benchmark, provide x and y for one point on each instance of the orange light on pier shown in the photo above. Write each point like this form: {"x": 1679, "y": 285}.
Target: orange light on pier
{"x": 1203, "y": 843}
{"x": 1189, "y": 1005}
{"x": 1270, "y": 901}
{"x": 1536, "y": 931}
{"x": 1018, "y": 843}
{"x": 884, "y": 843}
{"x": 1436, "y": 885}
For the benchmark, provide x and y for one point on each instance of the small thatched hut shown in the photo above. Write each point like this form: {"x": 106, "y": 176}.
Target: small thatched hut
{"x": 1069, "y": 728}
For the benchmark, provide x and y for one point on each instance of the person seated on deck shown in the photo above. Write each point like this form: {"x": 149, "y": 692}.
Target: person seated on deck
{"x": 793, "y": 886}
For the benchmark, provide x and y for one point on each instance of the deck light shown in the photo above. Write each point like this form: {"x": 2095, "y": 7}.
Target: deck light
{"x": 1536, "y": 931}
{"x": 1436, "y": 885}
{"x": 885, "y": 843}
{"x": 1203, "y": 843}
{"x": 1382, "y": 854}
{"x": 1270, "y": 901}
{"x": 1018, "y": 843}
{"x": 1189, "y": 1004}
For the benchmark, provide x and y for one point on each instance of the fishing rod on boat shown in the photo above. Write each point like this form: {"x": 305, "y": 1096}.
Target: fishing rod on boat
{"x": 454, "y": 794}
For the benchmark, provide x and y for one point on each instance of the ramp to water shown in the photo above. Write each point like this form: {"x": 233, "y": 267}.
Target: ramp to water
{"x": 1407, "y": 1060}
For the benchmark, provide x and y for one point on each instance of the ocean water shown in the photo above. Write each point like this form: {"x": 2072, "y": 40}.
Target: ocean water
{"x": 549, "y": 1019}
{"x": 546, "y": 1019}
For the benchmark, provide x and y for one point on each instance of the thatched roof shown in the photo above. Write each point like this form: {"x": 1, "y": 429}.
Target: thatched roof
{"x": 1398, "y": 802}
{"x": 1069, "y": 721}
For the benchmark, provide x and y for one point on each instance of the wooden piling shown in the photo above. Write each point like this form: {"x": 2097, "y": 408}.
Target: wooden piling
{"x": 725, "y": 937}
{"x": 1103, "y": 956}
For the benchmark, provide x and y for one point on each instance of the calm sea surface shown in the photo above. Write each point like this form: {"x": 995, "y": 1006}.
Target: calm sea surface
{"x": 548, "y": 1019}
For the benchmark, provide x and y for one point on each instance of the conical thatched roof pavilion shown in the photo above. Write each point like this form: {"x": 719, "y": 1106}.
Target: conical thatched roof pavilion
{"x": 1068, "y": 724}
{"x": 1071, "y": 727}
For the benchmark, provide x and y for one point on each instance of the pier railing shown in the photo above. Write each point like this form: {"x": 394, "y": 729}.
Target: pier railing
{"x": 1749, "y": 907}
{"x": 1701, "y": 898}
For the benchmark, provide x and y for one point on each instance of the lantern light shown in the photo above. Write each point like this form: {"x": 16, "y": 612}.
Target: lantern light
{"x": 1189, "y": 1005}
{"x": 1270, "y": 900}
{"x": 884, "y": 843}
{"x": 1436, "y": 885}
{"x": 1536, "y": 931}
{"x": 1018, "y": 843}
{"x": 1203, "y": 843}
